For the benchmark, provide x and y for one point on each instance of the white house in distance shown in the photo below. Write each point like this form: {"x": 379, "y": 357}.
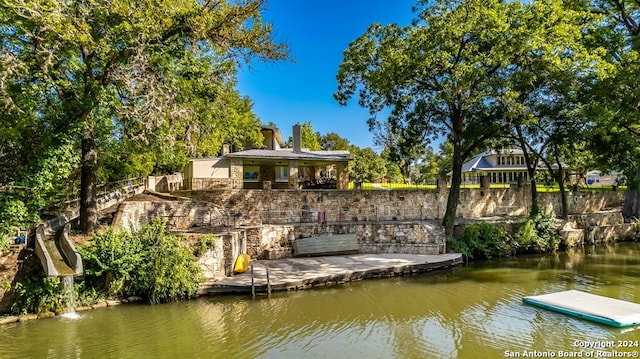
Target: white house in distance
{"x": 503, "y": 166}
{"x": 271, "y": 166}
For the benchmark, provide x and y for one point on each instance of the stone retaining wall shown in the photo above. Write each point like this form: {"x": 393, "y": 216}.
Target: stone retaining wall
{"x": 287, "y": 206}
{"x": 180, "y": 215}
{"x": 263, "y": 223}
{"x": 275, "y": 241}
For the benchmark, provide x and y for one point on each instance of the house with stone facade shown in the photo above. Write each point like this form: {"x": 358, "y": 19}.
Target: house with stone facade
{"x": 270, "y": 167}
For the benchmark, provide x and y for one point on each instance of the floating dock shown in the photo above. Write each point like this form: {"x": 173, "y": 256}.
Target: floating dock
{"x": 605, "y": 310}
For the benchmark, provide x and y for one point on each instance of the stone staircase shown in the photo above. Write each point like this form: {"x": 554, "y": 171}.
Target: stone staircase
{"x": 596, "y": 227}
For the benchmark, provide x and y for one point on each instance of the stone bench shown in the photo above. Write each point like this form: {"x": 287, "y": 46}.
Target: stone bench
{"x": 326, "y": 245}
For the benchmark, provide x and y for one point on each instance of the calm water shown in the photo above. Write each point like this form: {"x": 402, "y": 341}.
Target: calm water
{"x": 469, "y": 312}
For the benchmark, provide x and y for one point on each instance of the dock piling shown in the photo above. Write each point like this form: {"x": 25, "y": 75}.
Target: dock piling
{"x": 253, "y": 286}
{"x": 268, "y": 282}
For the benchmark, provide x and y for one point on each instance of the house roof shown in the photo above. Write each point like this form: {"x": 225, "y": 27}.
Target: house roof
{"x": 480, "y": 163}
{"x": 290, "y": 154}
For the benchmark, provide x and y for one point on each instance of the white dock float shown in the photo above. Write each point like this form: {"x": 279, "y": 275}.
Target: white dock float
{"x": 605, "y": 310}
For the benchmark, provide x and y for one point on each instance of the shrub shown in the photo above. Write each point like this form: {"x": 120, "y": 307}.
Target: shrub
{"x": 110, "y": 260}
{"x": 36, "y": 293}
{"x": 482, "y": 240}
{"x": 207, "y": 241}
{"x": 14, "y": 215}
{"x": 169, "y": 270}
{"x": 150, "y": 263}
{"x": 538, "y": 233}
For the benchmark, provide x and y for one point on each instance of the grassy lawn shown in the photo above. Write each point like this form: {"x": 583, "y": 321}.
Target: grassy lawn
{"x": 541, "y": 188}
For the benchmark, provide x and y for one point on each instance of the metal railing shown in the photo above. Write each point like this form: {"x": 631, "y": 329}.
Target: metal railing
{"x": 102, "y": 191}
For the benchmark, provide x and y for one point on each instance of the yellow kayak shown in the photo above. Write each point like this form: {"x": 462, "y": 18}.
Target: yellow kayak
{"x": 242, "y": 263}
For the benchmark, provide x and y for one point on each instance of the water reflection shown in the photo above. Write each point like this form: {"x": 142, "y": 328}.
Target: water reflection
{"x": 468, "y": 312}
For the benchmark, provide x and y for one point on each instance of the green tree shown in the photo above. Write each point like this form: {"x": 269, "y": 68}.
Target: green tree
{"x": 403, "y": 144}
{"x": 614, "y": 106}
{"x": 393, "y": 170}
{"x": 367, "y": 165}
{"x": 549, "y": 81}
{"x": 308, "y": 139}
{"x": 432, "y": 164}
{"x": 454, "y": 72}
{"x": 440, "y": 77}
{"x": 333, "y": 142}
{"x": 89, "y": 70}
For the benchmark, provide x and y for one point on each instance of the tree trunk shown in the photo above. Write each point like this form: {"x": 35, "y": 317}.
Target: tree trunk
{"x": 563, "y": 194}
{"x": 454, "y": 191}
{"x": 631, "y": 207}
{"x": 535, "y": 205}
{"x": 88, "y": 179}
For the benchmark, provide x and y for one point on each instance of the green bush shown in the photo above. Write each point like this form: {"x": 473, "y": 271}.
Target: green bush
{"x": 482, "y": 240}
{"x": 169, "y": 270}
{"x": 14, "y": 215}
{"x": 36, "y": 293}
{"x": 538, "y": 233}
{"x": 150, "y": 263}
{"x": 110, "y": 260}
{"x": 207, "y": 241}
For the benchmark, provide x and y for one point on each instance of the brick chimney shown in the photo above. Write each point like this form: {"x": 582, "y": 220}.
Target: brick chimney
{"x": 297, "y": 140}
{"x": 226, "y": 148}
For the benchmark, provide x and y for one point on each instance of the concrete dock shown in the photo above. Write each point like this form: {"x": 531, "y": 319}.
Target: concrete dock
{"x": 302, "y": 273}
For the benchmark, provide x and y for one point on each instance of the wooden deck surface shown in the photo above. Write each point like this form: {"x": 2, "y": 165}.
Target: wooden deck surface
{"x": 301, "y": 273}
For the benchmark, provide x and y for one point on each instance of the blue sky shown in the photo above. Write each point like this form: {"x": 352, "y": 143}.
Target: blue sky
{"x": 300, "y": 90}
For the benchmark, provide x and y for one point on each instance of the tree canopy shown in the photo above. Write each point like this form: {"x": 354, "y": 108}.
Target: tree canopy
{"x": 452, "y": 72}
{"x": 154, "y": 79}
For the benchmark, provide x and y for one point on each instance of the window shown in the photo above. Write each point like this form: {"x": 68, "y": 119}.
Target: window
{"x": 282, "y": 174}
{"x": 251, "y": 174}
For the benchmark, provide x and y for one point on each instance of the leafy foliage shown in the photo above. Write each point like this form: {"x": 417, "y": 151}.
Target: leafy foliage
{"x": 538, "y": 233}
{"x": 36, "y": 293}
{"x": 15, "y": 213}
{"x": 207, "y": 241}
{"x": 484, "y": 240}
{"x": 113, "y": 257}
{"x": 154, "y": 79}
{"x": 150, "y": 263}
{"x": 367, "y": 165}
{"x": 464, "y": 71}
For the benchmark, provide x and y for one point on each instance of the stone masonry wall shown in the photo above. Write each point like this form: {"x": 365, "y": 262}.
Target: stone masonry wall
{"x": 285, "y": 206}
{"x": 426, "y": 237}
{"x": 263, "y": 223}
{"x": 180, "y": 215}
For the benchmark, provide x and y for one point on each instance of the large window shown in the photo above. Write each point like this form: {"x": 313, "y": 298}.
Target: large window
{"x": 251, "y": 174}
{"x": 282, "y": 174}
